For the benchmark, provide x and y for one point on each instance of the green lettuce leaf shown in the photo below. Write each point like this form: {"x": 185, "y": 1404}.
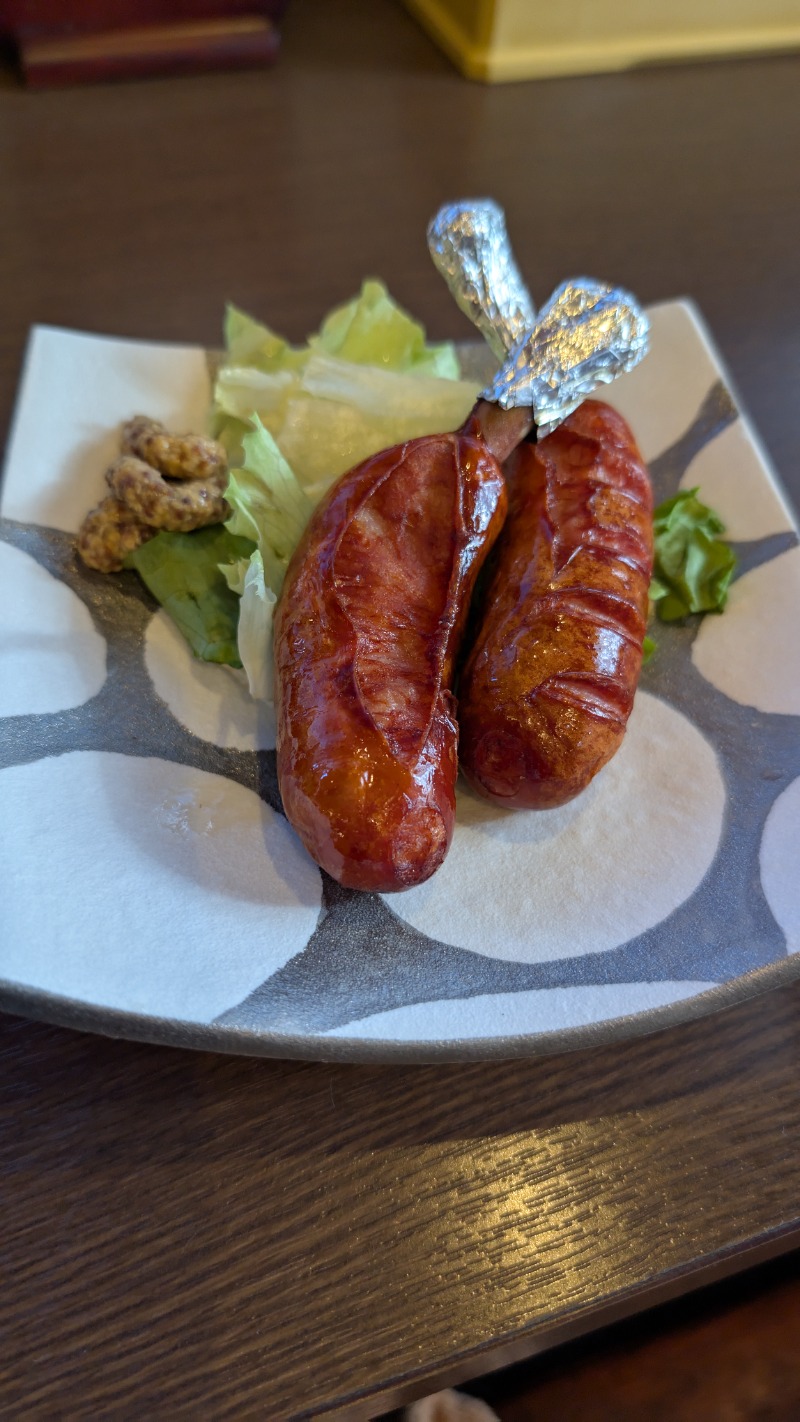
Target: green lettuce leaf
{"x": 235, "y": 574}
{"x": 366, "y": 381}
{"x": 373, "y": 330}
{"x": 249, "y": 342}
{"x": 267, "y": 504}
{"x": 693, "y": 567}
{"x": 342, "y": 421}
{"x": 182, "y": 572}
{"x": 268, "y": 507}
{"x": 255, "y": 630}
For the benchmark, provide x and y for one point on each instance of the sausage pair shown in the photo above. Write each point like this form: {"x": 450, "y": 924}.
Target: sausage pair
{"x": 372, "y": 614}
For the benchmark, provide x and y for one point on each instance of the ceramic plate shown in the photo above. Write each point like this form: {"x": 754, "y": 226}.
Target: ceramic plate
{"x": 153, "y": 889}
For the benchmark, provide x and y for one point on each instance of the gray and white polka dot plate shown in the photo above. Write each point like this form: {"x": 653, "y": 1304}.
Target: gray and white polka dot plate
{"x": 153, "y": 890}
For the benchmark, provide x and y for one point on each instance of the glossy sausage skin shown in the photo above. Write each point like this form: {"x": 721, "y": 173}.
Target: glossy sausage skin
{"x": 549, "y": 681}
{"x": 366, "y": 632}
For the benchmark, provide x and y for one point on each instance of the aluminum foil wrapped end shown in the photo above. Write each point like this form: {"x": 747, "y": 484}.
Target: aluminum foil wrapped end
{"x": 586, "y": 335}
{"x": 470, "y": 248}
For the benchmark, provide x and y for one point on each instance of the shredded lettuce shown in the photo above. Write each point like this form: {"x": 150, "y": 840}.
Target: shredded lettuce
{"x": 328, "y": 429}
{"x": 255, "y": 630}
{"x": 251, "y": 343}
{"x": 365, "y": 381}
{"x": 693, "y": 567}
{"x": 373, "y": 330}
{"x": 267, "y": 503}
{"x": 268, "y": 507}
{"x": 182, "y": 572}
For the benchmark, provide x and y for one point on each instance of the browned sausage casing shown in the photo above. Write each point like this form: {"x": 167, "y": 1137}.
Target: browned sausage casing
{"x": 366, "y": 631}
{"x": 549, "y": 682}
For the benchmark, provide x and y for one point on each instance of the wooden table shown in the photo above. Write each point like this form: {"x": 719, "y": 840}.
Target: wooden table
{"x": 206, "y": 1236}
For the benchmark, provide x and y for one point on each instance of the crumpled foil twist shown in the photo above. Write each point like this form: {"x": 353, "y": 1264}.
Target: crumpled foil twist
{"x": 586, "y": 335}
{"x": 469, "y": 245}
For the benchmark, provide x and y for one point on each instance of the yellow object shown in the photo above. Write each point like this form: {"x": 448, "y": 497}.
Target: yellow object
{"x": 500, "y": 40}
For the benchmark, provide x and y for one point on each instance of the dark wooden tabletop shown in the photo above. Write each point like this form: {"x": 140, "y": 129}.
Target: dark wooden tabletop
{"x": 208, "y": 1236}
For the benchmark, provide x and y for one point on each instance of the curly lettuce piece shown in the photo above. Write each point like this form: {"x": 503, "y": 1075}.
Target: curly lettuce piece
{"x": 268, "y": 507}
{"x": 267, "y": 504}
{"x": 250, "y": 343}
{"x": 254, "y": 636}
{"x": 693, "y": 567}
{"x": 373, "y": 330}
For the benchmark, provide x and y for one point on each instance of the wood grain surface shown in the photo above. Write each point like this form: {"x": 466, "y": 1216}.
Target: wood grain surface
{"x": 190, "y": 1235}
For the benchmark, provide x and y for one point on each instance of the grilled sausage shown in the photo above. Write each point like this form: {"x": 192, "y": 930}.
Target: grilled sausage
{"x": 549, "y": 681}
{"x": 366, "y": 632}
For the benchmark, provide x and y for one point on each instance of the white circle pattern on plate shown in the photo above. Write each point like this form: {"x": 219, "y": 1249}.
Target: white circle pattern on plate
{"x": 780, "y": 858}
{"x": 752, "y": 653}
{"x": 748, "y": 506}
{"x": 211, "y": 701}
{"x": 539, "y": 885}
{"x": 168, "y": 890}
{"x": 516, "y": 1014}
{"x": 52, "y": 656}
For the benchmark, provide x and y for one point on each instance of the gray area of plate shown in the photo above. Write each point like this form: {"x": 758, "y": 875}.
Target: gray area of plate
{"x": 362, "y": 958}
{"x": 126, "y": 715}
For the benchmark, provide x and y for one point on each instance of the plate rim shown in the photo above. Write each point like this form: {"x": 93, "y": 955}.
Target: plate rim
{"x": 115, "y": 1023}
